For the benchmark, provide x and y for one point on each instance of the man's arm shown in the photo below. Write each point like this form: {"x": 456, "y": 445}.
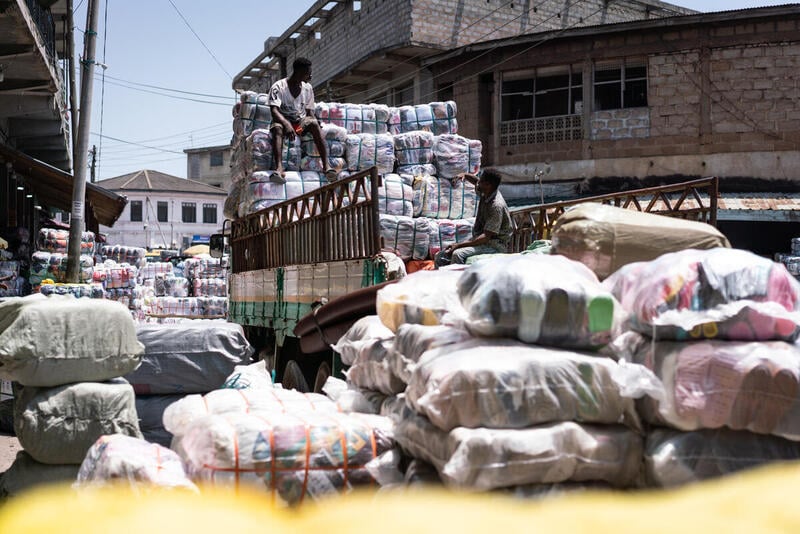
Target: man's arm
{"x": 277, "y": 116}
{"x": 482, "y": 239}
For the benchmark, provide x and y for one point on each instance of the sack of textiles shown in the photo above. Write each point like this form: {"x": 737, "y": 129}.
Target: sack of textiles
{"x": 364, "y": 331}
{"x": 549, "y": 300}
{"x": 251, "y": 113}
{"x": 124, "y": 296}
{"x": 366, "y": 118}
{"x": 405, "y": 236}
{"x": 258, "y": 153}
{"x": 214, "y": 307}
{"x": 115, "y": 276}
{"x": 49, "y": 341}
{"x": 395, "y": 195}
{"x": 150, "y": 409}
{"x": 289, "y": 455}
{"x": 675, "y": 458}
{"x": 421, "y": 169}
{"x": 716, "y": 294}
{"x": 178, "y": 417}
{"x": 502, "y": 383}
{"x": 751, "y": 386}
{"x": 368, "y": 150}
{"x": 442, "y": 198}
{"x": 89, "y": 291}
{"x": 605, "y": 238}
{"x": 121, "y": 254}
{"x": 40, "y": 268}
{"x": 262, "y": 193}
{"x": 117, "y": 457}
{"x": 53, "y": 240}
{"x": 191, "y": 357}
{"x": 58, "y": 425}
{"x": 371, "y": 369}
{"x": 57, "y": 270}
{"x": 205, "y": 267}
{"x": 254, "y": 375}
{"x": 210, "y": 287}
{"x": 171, "y": 286}
{"x": 178, "y": 306}
{"x": 455, "y": 155}
{"x": 414, "y": 340}
{"x": 437, "y": 117}
{"x": 25, "y": 474}
{"x": 230, "y": 209}
{"x": 414, "y": 148}
{"x": 151, "y": 270}
{"x": 350, "y": 398}
{"x": 485, "y": 459}
{"x": 335, "y": 138}
{"x": 240, "y": 164}
{"x": 423, "y": 297}
{"x": 446, "y": 232}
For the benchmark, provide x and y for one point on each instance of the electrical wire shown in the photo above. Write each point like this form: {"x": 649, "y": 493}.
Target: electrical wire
{"x": 199, "y": 39}
{"x": 137, "y": 144}
{"x": 168, "y": 89}
{"x": 174, "y": 97}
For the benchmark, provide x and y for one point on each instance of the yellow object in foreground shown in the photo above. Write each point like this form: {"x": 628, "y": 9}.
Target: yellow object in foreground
{"x": 762, "y": 500}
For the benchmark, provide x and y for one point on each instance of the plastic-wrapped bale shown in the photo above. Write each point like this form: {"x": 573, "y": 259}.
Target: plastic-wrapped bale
{"x": 549, "y": 300}
{"x": 58, "y": 425}
{"x": 334, "y": 138}
{"x": 716, "y": 294}
{"x": 485, "y": 459}
{"x": 414, "y": 148}
{"x": 406, "y": 236}
{"x": 606, "y": 237}
{"x": 115, "y": 276}
{"x": 503, "y": 383}
{"x": 178, "y": 417}
{"x": 250, "y": 376}
{"x": 124, "y": 296}
{"x": 89, "y": 291}
{"x": 191, "y": 357}
{"x": 368, "y": 150}
{"x": 350, "y": 398}
{"x": 151, "y": 270}
{"x": 364, "y": 331}
{"x": 454, "y": 155}
{"x": 292, "y": 456}
{"x": 442, "y": 198}
{"x": 150, "y": 409}
{"x": 396, "y": 196}
{"x": 57, "y": 267}
{"x": 257, "y": 153}
{"x": 49, "y": 341}
{"x": 210, "y": 287}
{"x": 751, "y": 386}
{"x": 413, "y": 341}
{"x": 240, "y": 164}
{"x": 371, "y": 369}
{"x": 205, "y": 267}
{"x": 366, "y": 118}
{"x": 56, "y": 240}
{"x": 214, "y": 307}
{"x": 118, "y": 457}
{"x": 122, "y": 254}
{"x": 446, "y": 232}
{"x": 423, "y": 297}
{"x": 675, "y": 458}
{"x": 261, "y": 193}
{"x": 251, "y": 113}
{"x": 171, "y": 286}
{"x": 25, "y": 474}
{"x": 437, "y": 117}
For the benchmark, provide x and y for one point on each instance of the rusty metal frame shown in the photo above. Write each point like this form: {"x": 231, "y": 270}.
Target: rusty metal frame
{"x": 336, "y": 222}
{"x": 695, "y": 200}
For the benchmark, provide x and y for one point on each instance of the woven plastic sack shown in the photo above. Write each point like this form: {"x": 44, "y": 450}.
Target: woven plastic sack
{"x": 150, "y": 409}
{"x": 25, "y": 474}
{"x": 414, "y": 340}
{"x": 350, "y": 398}
{"x": 49, "y": 341}
{"x": 442, "y": 198}
{"x": 414, "y": 148}
{"x": 371, "y": 369}
{"x": 437, "y": 117}
{"x": 505, "y": 384}
{"x": 117, "y": 457}
{"x": 548, "y": 300}
{"x": 290, "y": 456}
{"x": 715, "y": 294}
{"x": 423, "y": 297}
{"x": 367, "y": 150}
{"x": 484, "y": 459}
{"x": 675, "y": 458}
{"x": 363, "y": 332}
{"x": 254, "y": 375}
{"x": 58, "y": 425}
{"x": 454, "y": 155}
{"x": 751, "y": 386}
{"x": 407, "y": 237}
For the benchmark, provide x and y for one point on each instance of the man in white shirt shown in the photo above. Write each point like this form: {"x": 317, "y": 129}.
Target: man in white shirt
{"x": 291, "y": 101}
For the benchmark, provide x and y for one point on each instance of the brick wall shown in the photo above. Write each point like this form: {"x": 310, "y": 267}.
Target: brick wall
{"x": 620, "y": 124}
{"x": 674, "y": 89}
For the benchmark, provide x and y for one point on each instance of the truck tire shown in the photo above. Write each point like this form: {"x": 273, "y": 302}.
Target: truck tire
{"x": 323, "y": 372}
{"x": 293, "y": 377}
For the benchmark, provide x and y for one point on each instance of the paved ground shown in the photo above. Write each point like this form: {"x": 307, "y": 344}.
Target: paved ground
{"x": 8, "y": 450}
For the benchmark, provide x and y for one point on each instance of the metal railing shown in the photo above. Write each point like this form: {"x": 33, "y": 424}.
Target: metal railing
{"x": 43, "y": 19}
{"x": 694, "y": 200}
{"x": 336, "y": 222}
{"x": 541, "y": 130}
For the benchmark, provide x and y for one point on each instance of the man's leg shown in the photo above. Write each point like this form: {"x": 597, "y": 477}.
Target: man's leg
{"x": 461, "y": 255}
{"x": 316, "y": 132}
{"x": 277, "y": 149}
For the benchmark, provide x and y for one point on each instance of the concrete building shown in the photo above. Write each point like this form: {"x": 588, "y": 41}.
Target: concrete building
{"x": 164, "y": 211}
{"x": 210, "y": 165}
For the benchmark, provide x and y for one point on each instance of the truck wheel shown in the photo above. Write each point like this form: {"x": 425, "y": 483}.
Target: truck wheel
{"x": 293, "y": 377}
{"x": 323, "y": 372}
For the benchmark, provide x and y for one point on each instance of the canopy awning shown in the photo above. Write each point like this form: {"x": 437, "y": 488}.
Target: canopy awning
{"x": 53, "y": 188}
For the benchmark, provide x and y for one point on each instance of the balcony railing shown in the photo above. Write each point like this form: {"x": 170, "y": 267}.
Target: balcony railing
{"x": 542, "y": 130}
{"x": 43, "y": 19}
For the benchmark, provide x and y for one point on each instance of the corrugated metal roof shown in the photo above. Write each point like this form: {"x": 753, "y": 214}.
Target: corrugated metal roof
{"x": 759, "y": 201}
{"x": 147, "y": 180}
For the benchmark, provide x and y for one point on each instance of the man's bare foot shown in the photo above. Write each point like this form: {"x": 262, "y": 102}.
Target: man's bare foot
{"x": 330, "y": 174}
{"x": 278, "y": 176}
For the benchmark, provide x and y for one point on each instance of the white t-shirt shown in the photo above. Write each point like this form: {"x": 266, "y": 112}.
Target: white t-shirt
{"x": 292, "y": 108}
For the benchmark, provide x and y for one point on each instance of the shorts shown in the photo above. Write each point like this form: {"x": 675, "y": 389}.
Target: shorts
{"x": 299, "y": 127}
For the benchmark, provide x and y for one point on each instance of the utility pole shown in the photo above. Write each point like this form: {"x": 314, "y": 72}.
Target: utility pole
{"x": 94, "y": 162}
{"x": 73, "y": 92}
{"x": 76, "y": 223}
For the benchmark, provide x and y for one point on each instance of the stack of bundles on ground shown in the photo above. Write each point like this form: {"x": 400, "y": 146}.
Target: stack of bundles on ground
{"x": 791, "y": 260}
{"x": 190, "y": 357}
{"x": 134, "y": 256}
{"x": 200, "y": 293}
{"x": 67, "y": 355}
{"x": 718, "y": 350}
{"x": 407, "y": 237}
{"x": 57, "y": 240}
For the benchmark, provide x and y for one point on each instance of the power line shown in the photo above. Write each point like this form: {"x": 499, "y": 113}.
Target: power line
{"x": 199, "y": 39}
{"x": 187, "y": 132}
{"x": 120, "y": 149}
{"x": 169, "y": 89}
{"x": 175, "y": 97}
{"x": 137, "y": 144}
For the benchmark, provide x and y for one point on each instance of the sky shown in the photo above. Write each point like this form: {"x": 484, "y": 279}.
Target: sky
{"x": 169, "y": 69}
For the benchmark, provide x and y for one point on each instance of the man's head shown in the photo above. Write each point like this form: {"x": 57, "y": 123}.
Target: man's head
{"x": 489, "y": 181}
{"x": 301, "y": 69}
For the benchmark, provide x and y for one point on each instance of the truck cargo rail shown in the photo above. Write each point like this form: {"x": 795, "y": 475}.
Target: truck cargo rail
{"x": 694, "y": 200}
{"x": 338, "y": 221}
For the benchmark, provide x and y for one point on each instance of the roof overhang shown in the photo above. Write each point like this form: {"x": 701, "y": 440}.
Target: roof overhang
{"x": 53, "y": 187}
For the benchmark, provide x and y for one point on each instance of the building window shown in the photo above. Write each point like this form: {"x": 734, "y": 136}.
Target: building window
{"x": 194, "y": 166}
{"x": 136, "y": 210}
{"x": 210, "y": 213}
{"x": 189, "y": 212}
{"x": 404, "y": 96}
{"x": 620, "y": 84}
{"x": 162, "y": 209}
{"x": 217, "y": 158}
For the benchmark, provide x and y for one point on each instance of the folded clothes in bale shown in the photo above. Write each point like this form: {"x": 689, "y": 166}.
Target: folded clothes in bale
{"x": 442, "y": 198}
{"x": 423, "y": 297}
{"x": 370, "y": 150}
{"x": 455, "y": 155}
{"x": 414, "y": 148}
{"x": 251, "y": 113}
{"x": 262, "y": 193}
{"x": 407, "y": 237}
{"x": 436, "y": 117}
{"x": 414, "y": 340}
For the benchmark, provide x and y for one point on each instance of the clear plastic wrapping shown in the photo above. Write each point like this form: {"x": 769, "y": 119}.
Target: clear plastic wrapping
{"x": 262, "y": 193}
{"x": 367, "y": 150}
{"x": 251, "y": 113}
{"x": 414, "y": 148}
{"x": 407, "y": 237}
{"x": 351, "y": 399}
{"x": 444, "y": 198}
{"x": 455, "y": 155}
{"x": 446, "y": 232}
{"x": 423, "y": 297}
{"x": 413, "y": 340}
{"x": 436, "y": 117}
{"x": 363, "y": 332}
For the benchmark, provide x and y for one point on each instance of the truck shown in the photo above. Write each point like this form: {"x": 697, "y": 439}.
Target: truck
{"x": 288, "y": 259}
